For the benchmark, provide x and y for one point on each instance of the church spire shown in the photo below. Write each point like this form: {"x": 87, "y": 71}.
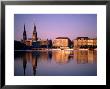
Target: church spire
{"x": 24, "y": 27}
{"x": 34, "y": 28}
{"x": 34, "y": 36}
{"x": 24, "y": 34}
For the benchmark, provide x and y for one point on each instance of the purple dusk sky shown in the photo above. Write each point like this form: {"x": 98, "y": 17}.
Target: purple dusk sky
{"x": 54, "y": 25}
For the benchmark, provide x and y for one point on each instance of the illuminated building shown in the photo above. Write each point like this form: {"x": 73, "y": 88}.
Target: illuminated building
{"x": 80, "y": 41}
{"x": 61, "y": 42}
{"x": 84, "y": 42}
{"x": 92, "y": 42}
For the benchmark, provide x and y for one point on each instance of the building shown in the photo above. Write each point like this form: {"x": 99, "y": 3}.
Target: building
{"x": 80, "y": 41}
{"x": 34, "y": 35}
{"x": 36, "y": 44}
{"x": 62, "y": 42}
{"x": 33, "y": 42}
{"x": 92, "y": 42}
{"x": 28, "y": 42}
{"x": 85, "y": 42}
{"x": 44, "y": 42}
{"x": 24, "y": 34}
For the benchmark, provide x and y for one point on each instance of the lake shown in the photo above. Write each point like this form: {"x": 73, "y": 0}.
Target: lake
{"x": 55, "y": 63}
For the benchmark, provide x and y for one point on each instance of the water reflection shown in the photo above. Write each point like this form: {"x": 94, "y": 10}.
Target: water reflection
{"x": 24, "y": 63}
{"x": 61, "y": 56}
{"x": 43, "y": 62}
{"x": 84, "y": 56}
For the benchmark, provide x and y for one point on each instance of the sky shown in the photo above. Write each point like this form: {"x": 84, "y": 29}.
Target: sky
{"x": 50, "y": 26}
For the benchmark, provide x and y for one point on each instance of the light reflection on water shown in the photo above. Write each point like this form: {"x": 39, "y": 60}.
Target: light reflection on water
{"x": 55, "y": 63}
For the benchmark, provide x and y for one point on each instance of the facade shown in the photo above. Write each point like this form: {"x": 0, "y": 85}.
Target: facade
{"x": 44, "y": 42}
{"x": 84, "y": 42}
{"x": 80, "y": 41}
{"x": 61, "y": 42}
{"x": 28, "y": 42}
{"x": 35, "y": 44}
{"x": 92, "y": 42}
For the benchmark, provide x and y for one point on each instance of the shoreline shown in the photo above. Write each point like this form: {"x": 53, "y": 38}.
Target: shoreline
{"x": 54, "y": 49}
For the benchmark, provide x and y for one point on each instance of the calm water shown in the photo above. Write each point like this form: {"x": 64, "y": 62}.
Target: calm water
{"x": 55, "y": 63}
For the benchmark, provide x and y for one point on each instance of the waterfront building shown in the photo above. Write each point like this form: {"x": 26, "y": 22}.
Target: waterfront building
{"x": 44, "y": 43}
{"x": 35, "y": 42}
{"x": 28, "y": 42}
{"x": 80, "y": 41}
{"x": 62, "y": 42}
{"x": 92, "y": 42}
{"x": 85, "y": 42}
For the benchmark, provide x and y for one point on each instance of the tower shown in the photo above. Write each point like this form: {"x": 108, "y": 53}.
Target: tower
{"x": 24, "y": 34}
{"x": 34, "y": 36}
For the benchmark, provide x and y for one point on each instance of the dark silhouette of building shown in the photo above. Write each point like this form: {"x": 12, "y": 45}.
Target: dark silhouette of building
{"x": 35, "y": 42}
{"x": 24, "y": 34}
{"x": 19, "y": 46}
{"x": 49, "y": 43}
{"x": 34, "y": 36}
{"x": 31, "y": 42}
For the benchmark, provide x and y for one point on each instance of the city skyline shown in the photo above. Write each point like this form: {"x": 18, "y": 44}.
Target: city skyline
{"x": 50, "y": 26}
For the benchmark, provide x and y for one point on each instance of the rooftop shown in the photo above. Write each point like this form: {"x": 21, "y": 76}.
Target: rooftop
{"x": 82, "y": 37}
{"x": 62, "y": 38}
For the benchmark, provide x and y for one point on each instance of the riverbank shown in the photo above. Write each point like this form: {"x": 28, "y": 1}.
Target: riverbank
{"x": 53, "y": 49}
